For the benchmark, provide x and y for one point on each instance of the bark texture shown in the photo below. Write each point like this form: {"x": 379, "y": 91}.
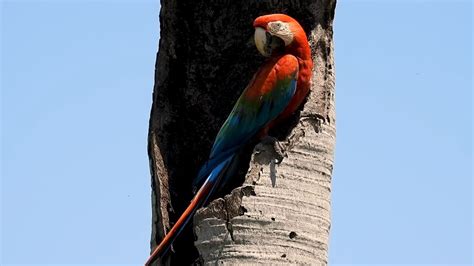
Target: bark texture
{"x": 281, "y": 213}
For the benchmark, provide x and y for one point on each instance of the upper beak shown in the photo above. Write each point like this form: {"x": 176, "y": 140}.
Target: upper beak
{"x": 261, "y": 40}
{"x": 267, "y": 44}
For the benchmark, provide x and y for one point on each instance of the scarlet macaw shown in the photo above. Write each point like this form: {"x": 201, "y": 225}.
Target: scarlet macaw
{"x": 274, "y": 93}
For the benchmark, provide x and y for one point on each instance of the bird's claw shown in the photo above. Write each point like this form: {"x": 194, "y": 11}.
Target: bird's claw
{"x": 278, "y": 150}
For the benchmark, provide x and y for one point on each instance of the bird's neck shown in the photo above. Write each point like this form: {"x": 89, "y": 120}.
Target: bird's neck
{"x": 300, "y": 48}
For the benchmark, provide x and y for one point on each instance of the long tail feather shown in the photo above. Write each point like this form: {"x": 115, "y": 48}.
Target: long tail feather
{"x": 201, "y": 197}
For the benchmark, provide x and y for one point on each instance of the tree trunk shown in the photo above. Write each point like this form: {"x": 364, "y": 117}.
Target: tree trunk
{"x": 275, "y": 213}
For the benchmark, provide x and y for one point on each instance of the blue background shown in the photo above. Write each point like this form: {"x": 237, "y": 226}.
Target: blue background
{"x": 76, "y": 82}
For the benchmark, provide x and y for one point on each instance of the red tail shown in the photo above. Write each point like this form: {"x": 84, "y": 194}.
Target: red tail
{"x": 198, "y": 199}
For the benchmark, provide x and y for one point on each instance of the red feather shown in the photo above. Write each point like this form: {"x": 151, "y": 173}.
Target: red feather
{"x": 301, "y": 50}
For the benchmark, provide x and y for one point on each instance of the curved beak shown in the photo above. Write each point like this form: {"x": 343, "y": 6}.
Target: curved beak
{"x": 267, "y": 43}
{"x": 261, "y": 41}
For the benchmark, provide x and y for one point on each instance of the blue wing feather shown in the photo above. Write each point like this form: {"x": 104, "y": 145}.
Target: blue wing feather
{"x": 259, "y": 104}
{"x": 247, "y": 118}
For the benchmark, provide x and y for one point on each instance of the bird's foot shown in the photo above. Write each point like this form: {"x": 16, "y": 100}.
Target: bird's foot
{"x": 276, "y": 151}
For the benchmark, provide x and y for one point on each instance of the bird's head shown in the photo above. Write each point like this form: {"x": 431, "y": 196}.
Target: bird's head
{"x": 276, "y": 32}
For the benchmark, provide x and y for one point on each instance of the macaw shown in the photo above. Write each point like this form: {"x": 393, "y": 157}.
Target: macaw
{"x": 274, "y": 93}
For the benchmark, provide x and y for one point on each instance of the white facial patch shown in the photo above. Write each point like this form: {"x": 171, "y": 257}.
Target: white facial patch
{"x": 281, "y": 30}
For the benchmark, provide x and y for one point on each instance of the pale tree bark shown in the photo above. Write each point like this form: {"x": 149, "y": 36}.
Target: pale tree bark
{"x": 276, "y": 213}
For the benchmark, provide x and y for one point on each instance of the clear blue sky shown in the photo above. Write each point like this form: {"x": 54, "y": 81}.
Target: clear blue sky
{"x": 76, "y": 81}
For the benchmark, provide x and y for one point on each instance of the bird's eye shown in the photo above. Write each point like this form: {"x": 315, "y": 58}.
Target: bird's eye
{"x": 277, "y": 25}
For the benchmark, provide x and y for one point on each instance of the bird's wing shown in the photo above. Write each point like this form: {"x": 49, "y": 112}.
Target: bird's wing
{"x": 263, "y": 100}
{"x": 267, "y": 95}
